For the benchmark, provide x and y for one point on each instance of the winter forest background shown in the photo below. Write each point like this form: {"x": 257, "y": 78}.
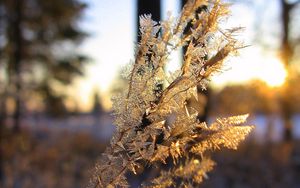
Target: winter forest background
{"x": 60, "y": 63}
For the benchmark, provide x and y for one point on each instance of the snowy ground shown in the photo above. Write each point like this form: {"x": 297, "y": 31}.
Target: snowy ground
{"x": 266, "y": 127}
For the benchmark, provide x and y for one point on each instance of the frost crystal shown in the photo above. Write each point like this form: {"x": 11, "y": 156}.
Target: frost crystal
{"x": 153, "y": 119}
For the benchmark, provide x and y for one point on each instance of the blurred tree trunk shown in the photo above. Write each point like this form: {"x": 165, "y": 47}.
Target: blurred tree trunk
{"x": 98, "y": 108}
{"x": 14, "y": 66}
{"x": 286, "y": 53}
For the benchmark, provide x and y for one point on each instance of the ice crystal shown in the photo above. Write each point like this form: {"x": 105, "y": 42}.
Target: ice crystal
{"x": 154, "y": 122}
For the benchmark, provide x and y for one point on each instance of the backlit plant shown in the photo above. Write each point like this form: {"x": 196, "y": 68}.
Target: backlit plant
{"x": 152, "y": 118}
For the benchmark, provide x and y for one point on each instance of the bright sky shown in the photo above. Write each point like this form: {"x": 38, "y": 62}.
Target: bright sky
{"x": 111, "y": 24}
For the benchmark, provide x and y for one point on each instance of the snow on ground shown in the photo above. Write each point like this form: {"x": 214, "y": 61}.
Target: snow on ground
{"x": 101, "y": 126}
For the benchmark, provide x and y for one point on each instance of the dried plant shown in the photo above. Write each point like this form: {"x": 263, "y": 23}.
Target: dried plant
{"x": 153, "y": 120}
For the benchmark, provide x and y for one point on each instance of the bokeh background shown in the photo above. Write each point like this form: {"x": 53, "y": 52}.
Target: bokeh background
{"x": 61, "y": 61}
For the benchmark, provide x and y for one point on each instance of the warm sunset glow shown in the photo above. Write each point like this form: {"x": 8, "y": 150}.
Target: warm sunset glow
{"x": 110, "y": 50}
{"x": 275, "y": 72}
{"x": 253, "y": 63}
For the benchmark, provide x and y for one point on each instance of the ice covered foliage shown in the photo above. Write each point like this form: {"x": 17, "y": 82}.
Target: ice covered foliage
{"x": 145, "y": 135}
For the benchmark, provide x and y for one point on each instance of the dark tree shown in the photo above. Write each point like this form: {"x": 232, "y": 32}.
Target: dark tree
{"x": 38, "y": 42}
{"x": 287, "y": 48}
{"x": 97, "y": 106}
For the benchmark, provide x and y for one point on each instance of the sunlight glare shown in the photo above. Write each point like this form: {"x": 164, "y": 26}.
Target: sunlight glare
{"x": 252, "y": 64}
{"x": 275, "y": 72}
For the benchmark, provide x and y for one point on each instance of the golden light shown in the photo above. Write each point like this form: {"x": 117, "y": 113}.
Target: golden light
{"x": 253, "y": 63}
{"x": 274, "y": 73}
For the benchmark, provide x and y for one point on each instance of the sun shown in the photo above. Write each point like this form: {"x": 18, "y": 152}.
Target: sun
{"x": 274, "y": 72}
{"x": 252, "y": 64}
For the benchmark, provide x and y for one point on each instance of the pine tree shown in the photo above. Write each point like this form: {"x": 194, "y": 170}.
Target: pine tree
{"x": 38, "y": 48}
{"x": 154, "y": 123}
